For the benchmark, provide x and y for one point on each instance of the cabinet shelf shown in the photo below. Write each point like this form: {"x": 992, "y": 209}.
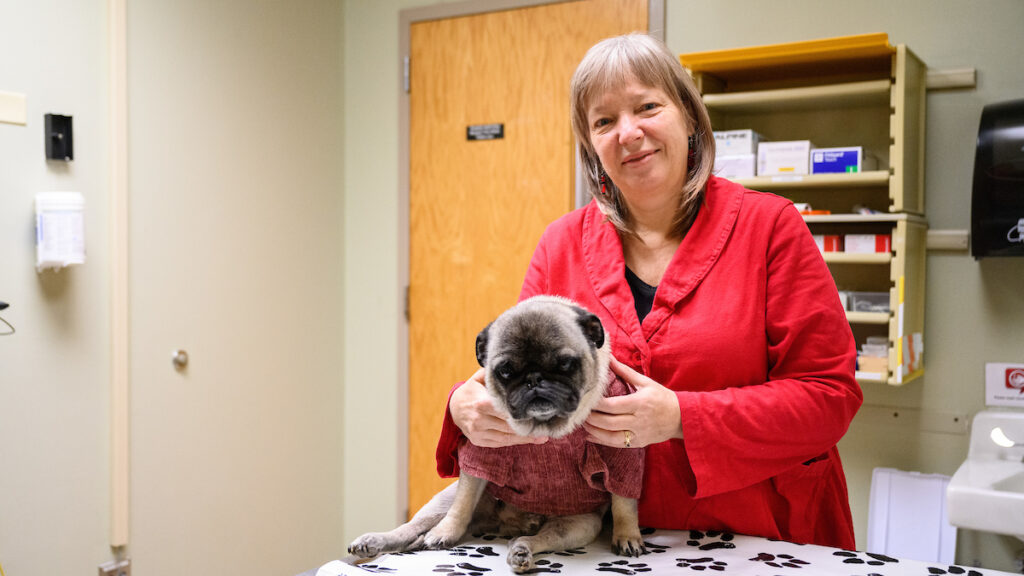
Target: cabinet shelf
{"x": 861, "y": 218}
{"x": 812, "y": 181}
{"x": 868, "y": 317}
{"x": 847, "y": 95}
{"x": 847, "y": 258}
{"x": 848, "y": 91}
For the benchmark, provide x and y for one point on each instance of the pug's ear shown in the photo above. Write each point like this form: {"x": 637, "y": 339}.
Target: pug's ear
{"x": 481, "y": 345}
{"x": 591, "y": 326}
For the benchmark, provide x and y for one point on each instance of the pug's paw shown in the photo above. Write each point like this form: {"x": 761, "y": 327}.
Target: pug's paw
{"x": 444, "y": 535}
{"x": 368, "y": 545}
{"x": 628, "y": 544}
{"x": 520, "y": 556}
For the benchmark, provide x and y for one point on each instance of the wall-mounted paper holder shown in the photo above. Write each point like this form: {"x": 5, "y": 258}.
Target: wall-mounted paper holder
{"x": 60, "y": 229}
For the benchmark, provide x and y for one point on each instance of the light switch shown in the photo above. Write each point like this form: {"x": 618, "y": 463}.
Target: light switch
{"x": 12, "y": 108}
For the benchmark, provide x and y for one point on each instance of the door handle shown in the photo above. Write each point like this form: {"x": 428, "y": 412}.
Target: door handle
{"x": 179, "y": 359}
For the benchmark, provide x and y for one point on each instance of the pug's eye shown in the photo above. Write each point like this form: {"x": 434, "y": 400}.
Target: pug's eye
{"x": 504, "y": 370}
{"x": 567, "y": 364}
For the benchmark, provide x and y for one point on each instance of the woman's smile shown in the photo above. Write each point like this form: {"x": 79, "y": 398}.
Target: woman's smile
{"x": 639, "y": 157}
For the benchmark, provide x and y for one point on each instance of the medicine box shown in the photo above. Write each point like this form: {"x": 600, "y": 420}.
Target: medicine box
{"x": 867, "y": 243}
{"x": 848, "y": 159}
{"x": 829, "y": 242}
{"x": 791, "y": 157}
{"x": 735, "y": 142}
{"x": 735, "y": 166}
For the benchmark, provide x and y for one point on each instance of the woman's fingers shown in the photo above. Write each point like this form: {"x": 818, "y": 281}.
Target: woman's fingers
{"x": 480, "y": 421}
{"x": 647, "y": 416}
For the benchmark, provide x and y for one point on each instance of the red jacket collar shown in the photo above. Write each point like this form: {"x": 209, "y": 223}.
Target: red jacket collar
{"x": 700, "y": 249}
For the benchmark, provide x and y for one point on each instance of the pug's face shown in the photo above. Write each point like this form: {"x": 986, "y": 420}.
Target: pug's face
{"x": 547, "y": 364}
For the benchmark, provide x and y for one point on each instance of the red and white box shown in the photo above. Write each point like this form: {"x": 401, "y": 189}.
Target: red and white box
{"x": 829, "y": 242}
{"x": 867, "y": 243}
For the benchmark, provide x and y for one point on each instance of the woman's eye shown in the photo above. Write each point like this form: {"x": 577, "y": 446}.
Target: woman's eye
{"x": 649, "y": 106}
{"x": 601, "y": 122}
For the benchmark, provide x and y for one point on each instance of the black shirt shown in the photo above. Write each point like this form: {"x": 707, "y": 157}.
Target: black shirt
{"x": 643, "y": 294}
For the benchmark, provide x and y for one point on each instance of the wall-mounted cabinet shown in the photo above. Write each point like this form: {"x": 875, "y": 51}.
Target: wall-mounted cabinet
{"x": 850, "y": 91}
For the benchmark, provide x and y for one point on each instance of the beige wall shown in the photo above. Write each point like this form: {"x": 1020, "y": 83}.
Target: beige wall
{"x": 54, "y": 371}
{"x": 54, "y": 374}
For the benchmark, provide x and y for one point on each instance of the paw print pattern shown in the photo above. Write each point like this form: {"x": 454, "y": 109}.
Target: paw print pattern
{"x": 655, "y": 548}
{"x": 952, "y": 570}
{"x": 473, "y": 551}
{"x": 701, "y": 564}
{"x": 375, "y": 569}
{"x": 623, "y": 567}
{"x": 720, "y": 540}
{"x": 868, "y": 558}
{"x": 780, "y": 560}
{"x": 460, "y": 569}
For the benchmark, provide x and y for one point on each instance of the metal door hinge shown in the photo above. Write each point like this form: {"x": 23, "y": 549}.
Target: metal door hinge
{"x": 406, "y": 304}
{"x": 405, "y": 74}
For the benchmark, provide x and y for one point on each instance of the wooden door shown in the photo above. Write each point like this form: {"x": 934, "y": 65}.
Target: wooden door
{"x": 478, "y": 207}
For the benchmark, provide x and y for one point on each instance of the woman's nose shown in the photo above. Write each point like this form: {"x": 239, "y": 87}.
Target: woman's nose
{"x": 629, "y": 130}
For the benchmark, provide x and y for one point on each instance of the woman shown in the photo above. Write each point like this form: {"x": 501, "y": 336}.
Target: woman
{"x": 720, "y": 309}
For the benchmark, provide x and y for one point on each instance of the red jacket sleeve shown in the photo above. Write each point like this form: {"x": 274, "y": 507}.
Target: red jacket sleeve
{"x": 738, "y": 436}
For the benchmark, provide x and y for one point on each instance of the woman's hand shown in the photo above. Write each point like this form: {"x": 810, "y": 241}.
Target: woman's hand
{"x": 647, "y": 416}
{"x": 475, "y": 414}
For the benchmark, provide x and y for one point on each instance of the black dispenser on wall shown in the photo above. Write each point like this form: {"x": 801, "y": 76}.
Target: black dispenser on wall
{"x": 997, "y": 204}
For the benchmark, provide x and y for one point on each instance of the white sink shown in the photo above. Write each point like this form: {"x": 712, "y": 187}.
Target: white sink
{"x": 987, "y": 491}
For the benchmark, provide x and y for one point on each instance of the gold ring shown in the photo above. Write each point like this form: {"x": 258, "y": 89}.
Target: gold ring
{"x": 629, "y": 437}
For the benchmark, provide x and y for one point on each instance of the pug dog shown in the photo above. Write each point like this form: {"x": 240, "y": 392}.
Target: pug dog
{"x": 547, "y": 365}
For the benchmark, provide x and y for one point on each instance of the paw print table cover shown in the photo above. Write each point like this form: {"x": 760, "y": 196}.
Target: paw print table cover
{"x": 687, "y": 553}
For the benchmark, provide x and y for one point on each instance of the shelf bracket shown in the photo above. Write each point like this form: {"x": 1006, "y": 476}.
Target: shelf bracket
{"x": 952, "y": 240}
{"x": 951, "y": 79}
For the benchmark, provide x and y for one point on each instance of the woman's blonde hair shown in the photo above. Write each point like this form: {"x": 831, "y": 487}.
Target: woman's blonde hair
{"x": 608, "y": 65}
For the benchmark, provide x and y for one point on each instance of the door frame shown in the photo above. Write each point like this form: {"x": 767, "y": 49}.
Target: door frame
{"x": 656, "y": 28}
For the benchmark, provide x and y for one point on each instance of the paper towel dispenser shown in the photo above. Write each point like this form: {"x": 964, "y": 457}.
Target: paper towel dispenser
{"x": 997, "y": 204}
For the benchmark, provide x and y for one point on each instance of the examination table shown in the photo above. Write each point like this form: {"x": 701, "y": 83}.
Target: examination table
{"x": 668, "y": 552}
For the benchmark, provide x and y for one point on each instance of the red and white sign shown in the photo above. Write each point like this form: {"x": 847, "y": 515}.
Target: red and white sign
{"x": 1004, "y": 385}
{"x": 1015, "y": 379}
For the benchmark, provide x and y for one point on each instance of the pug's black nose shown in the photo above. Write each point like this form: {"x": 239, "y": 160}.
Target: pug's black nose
{"x": 533, "y": 380}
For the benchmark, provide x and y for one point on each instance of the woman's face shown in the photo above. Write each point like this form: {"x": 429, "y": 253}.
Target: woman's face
{"x": 640, "y": 136}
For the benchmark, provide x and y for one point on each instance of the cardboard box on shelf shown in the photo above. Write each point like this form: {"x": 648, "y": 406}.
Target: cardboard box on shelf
{"x": 790, "y": 157}
{"x": 735, "y": 142}
{"x": 735, "y": 166}
{"x": 867, "y": 243}
{"x": 845, "y": 159}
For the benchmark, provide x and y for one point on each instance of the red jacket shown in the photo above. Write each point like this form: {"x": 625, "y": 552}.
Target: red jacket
{"x": 748, "y": 330}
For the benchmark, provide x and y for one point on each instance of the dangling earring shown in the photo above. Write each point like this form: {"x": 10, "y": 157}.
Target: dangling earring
{"x": 691, "y": 156}
{"x": 603, "y": 178}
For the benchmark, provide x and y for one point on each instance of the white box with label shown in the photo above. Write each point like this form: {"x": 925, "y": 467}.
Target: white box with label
{"x": 735, "y": 166}
{"x": 791, "y": 157}
{"x": 735, "y": 142}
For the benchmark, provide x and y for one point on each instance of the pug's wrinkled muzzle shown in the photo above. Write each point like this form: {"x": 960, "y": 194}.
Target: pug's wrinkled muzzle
{"x": 542, "y": 399}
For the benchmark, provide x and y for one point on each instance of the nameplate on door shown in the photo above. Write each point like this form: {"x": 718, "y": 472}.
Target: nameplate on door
{"x": 485, "y": 132}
